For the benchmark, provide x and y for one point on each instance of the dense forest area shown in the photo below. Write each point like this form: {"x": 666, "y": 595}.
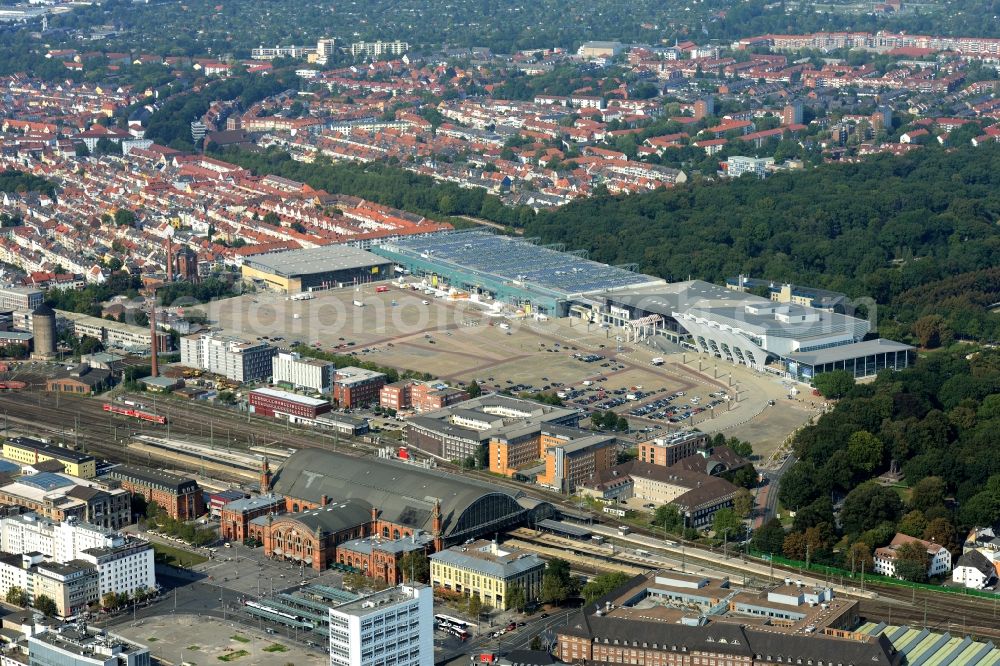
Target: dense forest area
{"x": 937, "y": 421}
{"x": 385, "y": 184}
{"x": 918, "y": 234}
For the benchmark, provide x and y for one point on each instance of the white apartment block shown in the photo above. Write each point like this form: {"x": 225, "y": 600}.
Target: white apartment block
{"x": 228, "y": 356}
{"x": 122, "y": 565}
{"x": 13, "y": 573}
{"x": 21, "y": 298}
{"x": 62, "y": 542}
{"x": 394, "y": 626}
{"x": 272, "y": 52}
{"x": 378, "y": 49}
{"x": 324, "y": 49}
{"x": 739, "y": 165}
{"x": 123, "y": 569}
{"x": 302, "y": 373}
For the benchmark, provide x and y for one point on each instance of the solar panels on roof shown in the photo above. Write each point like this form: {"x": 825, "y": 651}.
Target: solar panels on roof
{"x": 46, "y": 481}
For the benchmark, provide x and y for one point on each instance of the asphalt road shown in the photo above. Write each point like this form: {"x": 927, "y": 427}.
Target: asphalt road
{"x": 519, "y": 639}
{"x": 773, "y": 485}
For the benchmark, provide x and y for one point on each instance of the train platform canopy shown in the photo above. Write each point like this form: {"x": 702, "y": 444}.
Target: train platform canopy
{"x": 933, "y": 649}
{"x": 403, "y": 494}
{"x": 563, "y": 528}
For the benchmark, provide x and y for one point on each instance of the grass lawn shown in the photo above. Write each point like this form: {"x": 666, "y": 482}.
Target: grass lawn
{"x": 233, "y": 656}
{"x": 240, "y": 637}
{"x": 193, "y": 647}
{"x": 786, "y": 518}
{"x": 176, "y": 556}
{"x": 275, "y": 647}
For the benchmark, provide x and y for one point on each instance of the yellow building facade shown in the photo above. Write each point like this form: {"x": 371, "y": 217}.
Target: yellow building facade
{"x": 483, "y": 569}
{"x": 28, "y": 451}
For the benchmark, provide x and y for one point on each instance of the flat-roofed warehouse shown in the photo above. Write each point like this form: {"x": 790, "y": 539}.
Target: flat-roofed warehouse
{"x": 511, "y": 270}
{"x": 326, "y": 267}
{"x": 403, "y": 495}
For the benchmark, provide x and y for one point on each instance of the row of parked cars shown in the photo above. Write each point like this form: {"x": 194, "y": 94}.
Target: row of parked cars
{"x": 503, "y": 630}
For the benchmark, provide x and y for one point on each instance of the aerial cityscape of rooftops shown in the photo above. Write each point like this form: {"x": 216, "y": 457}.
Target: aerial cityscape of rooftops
{"x": 524, "y": 334}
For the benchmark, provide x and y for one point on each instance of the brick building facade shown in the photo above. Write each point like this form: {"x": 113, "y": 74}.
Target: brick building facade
{"x": 278, "y": 403}
{"x": 235, "y": 517}
{"x": 181, "y": 498}
{"x": 353, "y": 387}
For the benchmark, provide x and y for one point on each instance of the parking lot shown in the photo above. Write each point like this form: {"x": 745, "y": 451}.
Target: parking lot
{"x": 455, "y": 340}
{"x": 459, "y": 341}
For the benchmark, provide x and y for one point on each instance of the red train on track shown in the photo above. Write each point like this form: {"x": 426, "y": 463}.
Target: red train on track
{"x": 135, "y": 413}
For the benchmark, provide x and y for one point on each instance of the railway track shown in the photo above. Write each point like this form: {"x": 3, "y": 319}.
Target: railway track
{"x": 957, "y": 614}
{"x": 82, "y": 421}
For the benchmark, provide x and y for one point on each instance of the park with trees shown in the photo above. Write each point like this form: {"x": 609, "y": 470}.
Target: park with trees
{"x": 934, "y": 422}
{"x": 920, "y": 254}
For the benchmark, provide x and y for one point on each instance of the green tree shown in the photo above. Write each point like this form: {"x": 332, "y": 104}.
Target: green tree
{"x": 668, "y": 517}
{"x": 927, "y": 493}
{"x": 983, "y": 508}
{"x": 124, "y": 218}
{"x": 834, "y": 385}
{"x": 865, "y": 451}
{"x": 725, "y": 521}
{"x": 272, "y": 219}
{"x": 932, "y": 331}
{"x": 741, "y": 448}
{"x": 153, "y": 511}
{"x": 556, "y": 582}
{"x": 475, "y": 607}
{"x": 358, "y": 581}
{"x": 941, "y": 531}
{"x": 601, "y": 585}
{"x": 798, "y": 486}
{"x": 46, "y": 605}
{"x": 869, "y": 505}
{"x": 514, "y": 597}
{"x": 17, "y": 596}
{"x": 415, "y": 566}
{"x": 912, "y": 562}
{"x": 769, "y": 538}
{"x": 743, "y": 503}
{"x": 913, "y": 524}
{"x": 473, "y": 389}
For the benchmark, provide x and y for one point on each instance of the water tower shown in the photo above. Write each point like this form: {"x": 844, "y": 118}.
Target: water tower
{"x": 43, "y": 326}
